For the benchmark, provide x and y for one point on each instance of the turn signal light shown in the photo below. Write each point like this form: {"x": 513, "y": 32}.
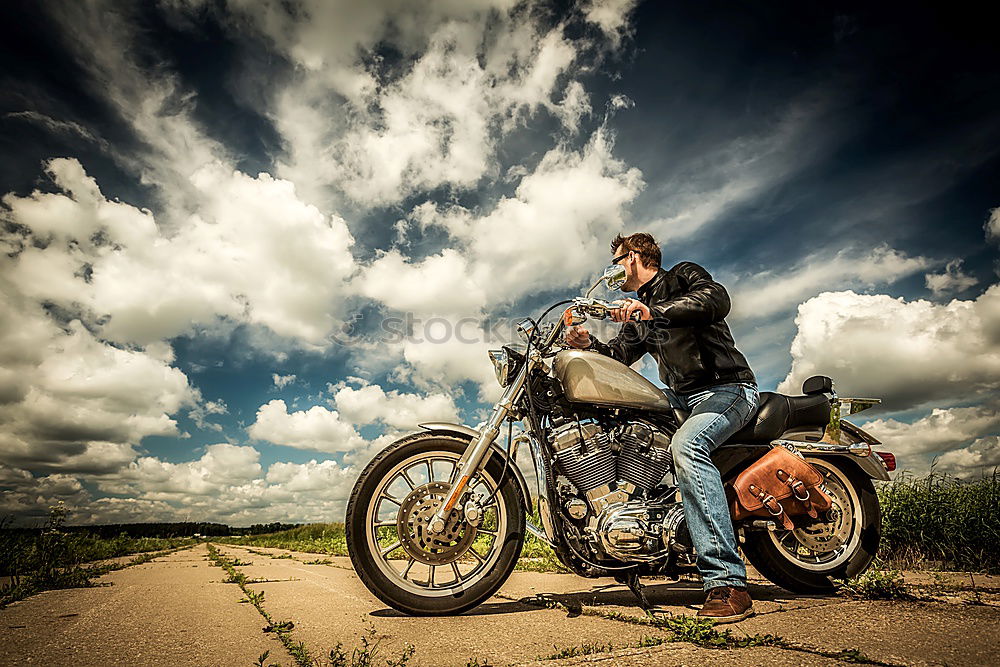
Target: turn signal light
{"x": 889, "y": 459}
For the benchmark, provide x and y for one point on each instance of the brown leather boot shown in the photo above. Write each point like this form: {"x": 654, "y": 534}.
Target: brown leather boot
{"x": 727, "y": 604}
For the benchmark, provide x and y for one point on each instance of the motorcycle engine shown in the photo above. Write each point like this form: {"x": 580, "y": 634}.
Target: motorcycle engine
{"x": 615, "y": 475}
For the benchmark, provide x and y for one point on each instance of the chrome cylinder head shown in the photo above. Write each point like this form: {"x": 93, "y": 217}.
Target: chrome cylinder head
{"x": 645, "y": 455}
{"x": 583, "y": 453}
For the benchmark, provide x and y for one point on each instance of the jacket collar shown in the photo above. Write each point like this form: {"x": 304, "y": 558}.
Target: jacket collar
{"x": 647, "y": 288}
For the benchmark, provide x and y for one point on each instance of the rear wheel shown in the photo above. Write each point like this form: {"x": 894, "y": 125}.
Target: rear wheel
{"x": 808, "y": 559}
{"x": 405, "y": 565}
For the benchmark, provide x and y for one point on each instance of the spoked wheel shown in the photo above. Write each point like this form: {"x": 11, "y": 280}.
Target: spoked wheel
{"x": 400, "y": 560}
{"x": 808, "y": 558}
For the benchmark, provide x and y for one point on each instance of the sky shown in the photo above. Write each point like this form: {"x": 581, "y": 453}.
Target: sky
{"x": 249, "y": 243}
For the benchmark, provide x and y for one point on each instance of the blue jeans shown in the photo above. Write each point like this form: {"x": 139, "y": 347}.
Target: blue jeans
{"x": 716, "y": 413}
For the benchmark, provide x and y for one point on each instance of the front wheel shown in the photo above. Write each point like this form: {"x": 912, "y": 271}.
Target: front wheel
{"x": 405, "y": 565}
{"x": 809, "y": 559}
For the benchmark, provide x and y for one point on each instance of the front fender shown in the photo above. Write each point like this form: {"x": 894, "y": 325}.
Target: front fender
{"x": 463, "y": 431}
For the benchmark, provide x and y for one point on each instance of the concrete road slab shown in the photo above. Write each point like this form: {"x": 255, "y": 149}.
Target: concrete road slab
{"x": 330, "y": 605}
{"x": 915, "y": 633}
{"x": 176, "y": 610}
{"x": 173, "y": 610}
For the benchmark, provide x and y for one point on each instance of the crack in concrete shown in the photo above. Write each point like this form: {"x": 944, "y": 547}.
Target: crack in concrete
{"x": 852, "y": 656}
{"x": 299, "y": 653}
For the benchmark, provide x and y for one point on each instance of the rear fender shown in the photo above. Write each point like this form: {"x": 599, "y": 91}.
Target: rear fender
{"x": 469, "y": 434}
{"x": 731, "y": 459}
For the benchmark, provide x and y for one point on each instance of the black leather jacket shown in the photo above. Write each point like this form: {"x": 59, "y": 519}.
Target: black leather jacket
{"x": 688, "y": 335}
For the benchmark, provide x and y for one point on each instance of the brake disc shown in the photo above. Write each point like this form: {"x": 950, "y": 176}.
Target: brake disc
{"x": 825, "y": 536}
{"x": 418, "y": 541}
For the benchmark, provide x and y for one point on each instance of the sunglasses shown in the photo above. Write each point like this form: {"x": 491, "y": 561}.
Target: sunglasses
{"x": 615, "y": 260}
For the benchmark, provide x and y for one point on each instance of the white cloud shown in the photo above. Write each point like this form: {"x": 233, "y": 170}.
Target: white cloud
{"x": 56, "y": 126}
{"x": 23, "y": 494}
{"x": 432, "y": 127}
{"x": 440, "y": 366}
{"x": 370, "y": 404}
{"x": 282, "y": 381}
{"x": 327, "y": 37}
{"x": 129, "y": 510}
{"x": 222, "y": 465}
{"x": 953, "y": 280}
{"x": 942, "y": 430}
{"x": 378, "y": 128}
{"x": 992, "y": 225}
{"x": 769, "y": 292}
{"x": 243, "y": 257}
{"x": 981, "y": 458}
{"x": 150, "y": 101}
{"x": 572, "y": 199}
{"x": 325, "y": 479}
{"x": 441, "y": 283}
{"x": 316, "y": 429}
{"x": 574, "y": 107}
{"x": 201, "y": 413}
{"x": 72, "y": 402}
{"x": 227, "y": 484}
{"x": 611, "y": 16}
{"x": 907, "y": 352}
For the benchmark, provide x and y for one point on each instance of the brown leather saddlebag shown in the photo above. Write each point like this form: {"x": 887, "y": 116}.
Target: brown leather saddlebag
{"x": 777, "y": 486}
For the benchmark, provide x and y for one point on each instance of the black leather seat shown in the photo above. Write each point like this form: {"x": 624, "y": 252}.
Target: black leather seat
{"x": 778, "y": 413}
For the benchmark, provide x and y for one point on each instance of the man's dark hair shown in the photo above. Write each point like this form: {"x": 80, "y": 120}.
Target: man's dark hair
{"x": 642, "y": 244}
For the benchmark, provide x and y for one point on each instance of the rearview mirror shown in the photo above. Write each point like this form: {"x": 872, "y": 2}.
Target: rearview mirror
{"x": 615, "y": 276}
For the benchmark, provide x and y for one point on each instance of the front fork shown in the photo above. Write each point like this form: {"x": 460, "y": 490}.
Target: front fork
{"x": 475, "y": 456}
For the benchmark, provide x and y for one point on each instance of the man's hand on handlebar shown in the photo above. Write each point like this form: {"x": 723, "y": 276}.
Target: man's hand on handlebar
{"x": 630, "y": 310}
{"x": 578, "y": 337}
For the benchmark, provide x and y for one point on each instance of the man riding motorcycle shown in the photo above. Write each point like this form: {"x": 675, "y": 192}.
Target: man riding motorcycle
{"x": 682, "y": 325}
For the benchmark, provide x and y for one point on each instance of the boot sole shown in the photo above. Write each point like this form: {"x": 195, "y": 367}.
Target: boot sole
{"x": 735, "y": 618}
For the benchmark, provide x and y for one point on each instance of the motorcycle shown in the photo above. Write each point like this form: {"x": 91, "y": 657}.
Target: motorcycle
{"x": 437, "y": 520}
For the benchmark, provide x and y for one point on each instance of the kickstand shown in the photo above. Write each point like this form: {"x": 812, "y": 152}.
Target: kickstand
{"x": 632, "y": 581}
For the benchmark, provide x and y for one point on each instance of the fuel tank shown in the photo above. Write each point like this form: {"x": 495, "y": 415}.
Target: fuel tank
{"x": 590, "y": 377}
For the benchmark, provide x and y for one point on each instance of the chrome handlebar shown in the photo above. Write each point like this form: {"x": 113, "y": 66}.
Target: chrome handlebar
{"x": 600, "y": 308}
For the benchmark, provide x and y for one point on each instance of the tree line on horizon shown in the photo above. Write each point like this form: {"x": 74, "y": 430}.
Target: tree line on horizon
{"x": 162, "y": 529}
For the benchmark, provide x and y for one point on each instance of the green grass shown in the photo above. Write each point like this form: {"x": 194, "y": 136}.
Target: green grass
{"x": 318, "y": 538}
{"x": 695, "y": 630}
{"x": 941, "y": 519}
{"x": 682, "y": 628}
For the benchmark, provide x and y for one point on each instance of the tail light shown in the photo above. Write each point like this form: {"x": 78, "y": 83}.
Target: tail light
{"x": 889, "y": 459}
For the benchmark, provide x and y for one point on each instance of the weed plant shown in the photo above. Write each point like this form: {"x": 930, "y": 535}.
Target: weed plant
{"x": 878, "y": 583}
